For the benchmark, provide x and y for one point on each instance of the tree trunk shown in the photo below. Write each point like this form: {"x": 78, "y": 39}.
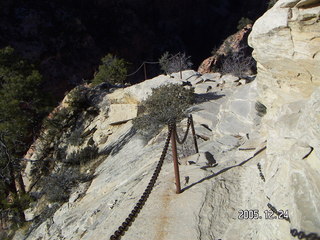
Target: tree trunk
{"x": 13, "y": 181}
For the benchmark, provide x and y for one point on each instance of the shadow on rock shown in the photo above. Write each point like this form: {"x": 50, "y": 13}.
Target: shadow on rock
{"x": 223, "y": 170}
{"x": 204, "y": 97}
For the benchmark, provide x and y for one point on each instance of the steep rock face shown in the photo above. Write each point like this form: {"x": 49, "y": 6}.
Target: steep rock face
{"x": 234, "y": 44}
{"x": 286, "y": 42}
{"x": 286, "y": 46}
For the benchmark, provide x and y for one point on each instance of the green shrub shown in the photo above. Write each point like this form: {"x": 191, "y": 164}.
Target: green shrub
{"x": 238, "y": 64}
{"x": 174, "y": 63}
{"x": 271, "y": 3}
{"x": 244, "y": 22}
{"x": 112, "y": 70}
{"x": 214, "y": 51}
{"x": 58, "y": 186}
{"x": 77, "y": 99}
{"x": 83, "y": 156}
{"x": 22, "y": 106}
{"x": 76, "y": 137}
{"x": 165, "y": 103}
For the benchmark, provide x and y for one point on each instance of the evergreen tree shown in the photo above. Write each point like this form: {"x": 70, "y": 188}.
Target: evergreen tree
{"x": 112, "y": 70}
{"x": 21, "y": 109}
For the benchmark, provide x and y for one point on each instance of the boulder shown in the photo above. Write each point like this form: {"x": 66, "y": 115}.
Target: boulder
{"x": 121, "y": 113}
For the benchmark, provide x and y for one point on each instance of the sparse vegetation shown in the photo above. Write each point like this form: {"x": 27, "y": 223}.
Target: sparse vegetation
{"x": 174, "y": 63}
{"x": 271, "y": 3}
{"x": 214, "y": 50}
{"x": 112, "y": 70}
{"x": 165, "y": 103}
{"x": 77, "y": 99}
{"x": 76, "y": 137}
{"x": 82, "y": 156}
{"x": 238, "y": 64}
{"x": 58, "y": 186}
{"x": 244, "y": 22}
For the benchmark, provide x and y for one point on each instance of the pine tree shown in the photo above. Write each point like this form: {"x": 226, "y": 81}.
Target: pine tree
{"x": 21, "y": 109}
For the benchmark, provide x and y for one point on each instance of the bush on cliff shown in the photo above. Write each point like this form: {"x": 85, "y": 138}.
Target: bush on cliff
{"x": 174, "y": 63}
{"x": 112, "y": 70}
{"x": 58, "y": 186}
{"x": 244, "y": 22}
{"x": 271, "y": 3}
{"x": 165, "y": 103}
{"x": 238, "y": 64}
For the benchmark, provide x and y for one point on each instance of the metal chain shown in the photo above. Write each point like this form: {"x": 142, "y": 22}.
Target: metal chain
{"x": 294, "y": 232}
{"x": 260, "y": 172}
{"x": 275, "y": 211}
{"x": 186, "y": 133}
{"x": 302, "y": 235}
{"x": 137, "y": 208}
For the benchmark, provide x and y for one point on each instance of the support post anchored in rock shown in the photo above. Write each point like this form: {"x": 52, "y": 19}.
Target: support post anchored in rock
{"x": 175, "y": 158}
{"x": 194, "y": 134}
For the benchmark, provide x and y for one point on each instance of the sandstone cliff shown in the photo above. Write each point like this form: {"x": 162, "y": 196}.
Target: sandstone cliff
{"x": 263, "y": 134}
{"x": 286, "y": 46}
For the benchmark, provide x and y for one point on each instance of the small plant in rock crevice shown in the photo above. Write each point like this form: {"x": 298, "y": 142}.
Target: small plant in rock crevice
{"x": 244, "y": 22}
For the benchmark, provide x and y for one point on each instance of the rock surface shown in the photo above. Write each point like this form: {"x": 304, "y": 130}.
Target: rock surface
{"x": 122, "y": 177}
{"x": 286, "y": 45}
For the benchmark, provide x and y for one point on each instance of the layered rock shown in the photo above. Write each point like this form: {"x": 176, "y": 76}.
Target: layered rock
{"x": 286, "y": 46}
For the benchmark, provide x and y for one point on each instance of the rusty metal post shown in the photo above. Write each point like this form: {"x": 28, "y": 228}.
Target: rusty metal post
{"x": 180, "y": 66}
{"x": 175, "y": 159}
{"x": 145, "y": 71}
{"x": 194, "y": 134}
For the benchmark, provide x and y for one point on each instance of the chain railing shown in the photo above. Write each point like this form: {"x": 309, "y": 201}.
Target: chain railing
{"x": 189, "y": 124}
{"x": 186, "y": 133}
{"x": 172, "y": 135}
{"x": 302, "y": 235}
{"x": 144, "y": 66}
{"x": 135, "y": 211}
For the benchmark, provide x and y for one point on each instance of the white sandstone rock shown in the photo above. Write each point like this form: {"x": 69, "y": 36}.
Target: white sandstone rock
{"x": 121, "y": 113}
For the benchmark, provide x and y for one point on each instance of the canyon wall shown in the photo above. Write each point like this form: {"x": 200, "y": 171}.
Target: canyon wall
{"x": 286, "y": 43}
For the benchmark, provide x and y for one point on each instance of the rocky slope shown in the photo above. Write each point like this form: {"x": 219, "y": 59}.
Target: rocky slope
{"x": 225, "y": 120}
{"x": 263, "y": 134}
